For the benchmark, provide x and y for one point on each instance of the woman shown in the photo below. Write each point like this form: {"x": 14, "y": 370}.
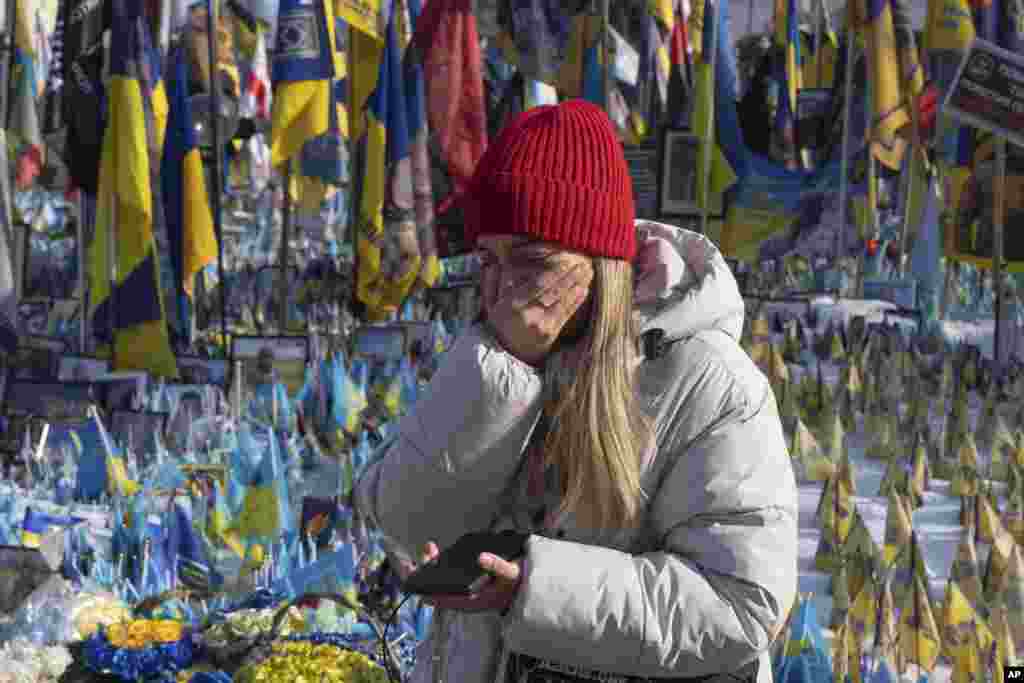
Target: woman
{"x": 658, "y": 489}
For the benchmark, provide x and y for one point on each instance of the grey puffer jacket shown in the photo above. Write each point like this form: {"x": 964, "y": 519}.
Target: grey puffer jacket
{"x": 703, "y": 584}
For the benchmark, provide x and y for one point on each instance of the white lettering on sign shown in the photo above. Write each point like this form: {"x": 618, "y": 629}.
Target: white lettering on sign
{"x": 988, "y": 93}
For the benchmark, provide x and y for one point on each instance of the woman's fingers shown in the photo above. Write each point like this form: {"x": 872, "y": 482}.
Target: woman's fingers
{"x": 430, "y": 551}
{"x": 405, "y": 569}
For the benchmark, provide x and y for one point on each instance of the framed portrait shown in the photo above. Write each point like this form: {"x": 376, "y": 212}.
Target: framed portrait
{"x": 381, "y": 342}
{"x": 49, "y": 266}
{"x": 197, "y": 370}
{"x": 138, "y": 428}
{"x": 680, "y": 163}
{"x": 460, "y": 271}
{"x": 38, "y": 357}
{"x": 34, "y": 316}
{"x": 263, "y": 359}
{"x": 120, "y": 390}
{"x": 51, "y": 400}
{"x": 81, "y": 368}
{"x": 419, "y": 334}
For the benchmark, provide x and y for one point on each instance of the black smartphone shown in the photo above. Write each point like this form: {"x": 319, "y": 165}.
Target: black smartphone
{"x": 456, "y": 571}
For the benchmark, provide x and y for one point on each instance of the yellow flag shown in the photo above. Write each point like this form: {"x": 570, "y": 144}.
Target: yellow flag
{"x": 963, "y": 631}
{"x": 919, "y": 637}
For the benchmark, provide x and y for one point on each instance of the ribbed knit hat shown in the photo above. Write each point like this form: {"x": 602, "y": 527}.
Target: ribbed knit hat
{"x": 556, "y": 173}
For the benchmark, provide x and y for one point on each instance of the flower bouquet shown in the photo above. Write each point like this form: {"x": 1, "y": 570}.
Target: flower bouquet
{"x": 25, "y": 662}
{"x": 320, "y": 656}
{"x": 139, "y": 649}
{"x": 227, "y": 642}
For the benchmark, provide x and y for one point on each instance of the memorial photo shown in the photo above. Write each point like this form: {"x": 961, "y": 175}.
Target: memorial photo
{"x": 266, "y": 359}
{"x": 81, "y": 368}
{"x": 679, "y": 166}
{"x": 196, "y": 370}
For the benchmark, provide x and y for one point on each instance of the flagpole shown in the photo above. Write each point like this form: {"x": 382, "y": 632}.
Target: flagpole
{"x": 997, "y": 247}
{"x": 215, "y": 115}
{"x": 915, "y": 148}
{"x": 286, "y": 219}
{"x": 709, "y": 135}
{"x": 844, "y": 176}
{"x": 606, "y": 47}
{"x": 112, "y": 262}
{"x": 352, "y": 228}
{"x": 83, "y": 309}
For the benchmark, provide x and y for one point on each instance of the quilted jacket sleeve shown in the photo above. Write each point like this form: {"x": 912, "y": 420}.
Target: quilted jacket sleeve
{"x": 441, "y": 476}
{"x": 716, "y": 591}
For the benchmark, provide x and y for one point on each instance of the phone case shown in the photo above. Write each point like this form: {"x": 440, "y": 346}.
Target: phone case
{"x": 456, "y": 571}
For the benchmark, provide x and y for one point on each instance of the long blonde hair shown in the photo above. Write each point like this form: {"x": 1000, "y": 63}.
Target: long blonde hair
{"x": 597, "y": 429}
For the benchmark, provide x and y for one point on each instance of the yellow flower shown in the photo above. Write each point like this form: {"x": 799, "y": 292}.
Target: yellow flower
{"x": 117, "y": 634}
{"x": 135, "y": 643}
{"x": 141, "y": 629}
{"x": 167, "y": 631}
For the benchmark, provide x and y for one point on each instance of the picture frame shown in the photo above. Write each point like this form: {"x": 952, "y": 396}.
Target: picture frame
{"x": 381, "y": 343}
{"x": 81, "y": 368}
{"x": 199, "y": 370}
{"x": 138, "y": 427}
{"x": 462, "y": 270}
{"x": 38, "y": 357}
{"x": 120, "y": 390}
{"x": 677, "y": 186}
{"x": 263, "y": 356}
{"x": 52, "y": 400}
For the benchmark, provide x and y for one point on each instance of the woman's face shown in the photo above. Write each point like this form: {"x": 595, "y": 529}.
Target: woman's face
{"x": 508, "y": 259}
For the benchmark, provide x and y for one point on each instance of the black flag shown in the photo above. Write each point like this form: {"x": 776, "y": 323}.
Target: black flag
{"x": 83, "y": 100}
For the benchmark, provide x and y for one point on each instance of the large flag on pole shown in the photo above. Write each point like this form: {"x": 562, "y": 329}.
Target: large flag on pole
{"x": 133, "y": 310}
{"x": 449, "y": 51}
{"x": 186, "y": 204}
{"x": 23, "y": 125}
{"x": 766, "y": 197}
{"x": 303, "y": 69}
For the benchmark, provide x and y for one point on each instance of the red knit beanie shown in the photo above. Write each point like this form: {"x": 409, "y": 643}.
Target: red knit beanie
{"x": 556, "y": 173}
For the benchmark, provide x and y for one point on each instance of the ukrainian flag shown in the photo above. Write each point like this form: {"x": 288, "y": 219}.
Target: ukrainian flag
{"x": 721, "y": 175}
{"x": 218, "y": 522}
{"x": 429, "y": 269}
{"x": 186, "y": 204}
{"x": 887, "y": 54}
{"x": 265, "y": 513}
{"x": 24, "y": 117}
{"x": 949, "y": 26}
{"x": 37, "y": 524}
{"x": 582, "y": 60}
{"x": 789, "y": 77}
{"x": 187, "y": 551}
{"x": 386, "y": 142}
{"x": 134, "y": 312}
{"x": 304, "y": 67}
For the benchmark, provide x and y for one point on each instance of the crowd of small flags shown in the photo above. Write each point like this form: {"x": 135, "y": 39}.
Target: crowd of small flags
{"x": 224, "y": 514}
{"x": 887, "y": 620}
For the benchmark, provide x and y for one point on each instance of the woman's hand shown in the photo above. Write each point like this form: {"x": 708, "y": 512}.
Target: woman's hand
{"x": 497, "y": 594}
{"x": 531, "y": 308}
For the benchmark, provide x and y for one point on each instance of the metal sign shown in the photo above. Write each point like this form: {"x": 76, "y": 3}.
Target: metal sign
{"x": 988, "y": 91}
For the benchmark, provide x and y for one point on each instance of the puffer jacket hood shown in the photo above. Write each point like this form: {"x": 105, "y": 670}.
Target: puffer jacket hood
{"x": 684, "y": 286}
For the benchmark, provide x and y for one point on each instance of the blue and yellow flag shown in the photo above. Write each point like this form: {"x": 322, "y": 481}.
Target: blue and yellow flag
{"x": 37, "y": 524}
{"x": 186, "y": 204}
{"x": 386, "y": 143}
{"x": 133, "y": 311}
{"x": 303, "y": 70}
{"x": 24, "y": 118}
{"x": 949, "y": 26}
{"x": 721, "y": 175}
{"x": 895, "y": 73}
